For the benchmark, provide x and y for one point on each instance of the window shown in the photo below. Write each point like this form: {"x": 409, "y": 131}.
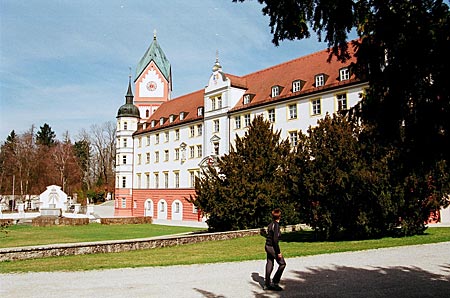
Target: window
{"x": 153, "y": 123}
{"x": 199, "y": 151}
{"x": 200, "y": 111}
{"x": 246, "y": 99}
{"x": 166, "y": 136}
{"x": 192, "y": 131}
{"x": 156, "y": 180}
{"x": 148, "y": 140}
{"x": 344, "y": 74}
{"x": 147, "y": 157}
{"x": 166, "y": 155}
{"x": 320, "y": 80}
{"x": 216, "y": 148}
{"x": 139, "y": 159}
{"x": 177, "y": 134}
{"x": 192, "y": 178}
{"x": 296, "y": 86}
{"x": 219, "y": 102}
{"x": 293, "y": 138}
{"x": 275, "y": 91}
{"x": 199, "y": 130}
{"x": 139, "y": 142}
{"x": 171, "y": 118}
{"x": 166, "y": 180}
{"x": 124, "y": 182}
{"x": 147, "y": 113}
{"x": 125, "y": 142}
{"x": 341, "y": 101}
{"x": 124, "y": 159}
{"x": 177, "y": 153}
{"x": 124, "y": 203}
{"x": 247, "y": 120}
{"x": 182, "y": 115}
{"x": 177, "y": 207}
{"x": 125, "y": 125}
{"x": 271, "y": 114}
{"x": 216, "y": 126}
{"x": 213, "y": 103}
{"x": 163, "y": 207}
{"x": 316, "y": 109}
{"x": 147, "y": 180}
{"x": 157, "y": 138}
{"x": 134, "y": 204}
{"x": 157, "y": 156}
{"x": 138, "y": 180}
{"x": 292, "y": 111}
{"x": 191, "y": 152}
{"x": 177, "y": 180}
{"x": 161, "y": 120}
{"x": 237, "y": 122}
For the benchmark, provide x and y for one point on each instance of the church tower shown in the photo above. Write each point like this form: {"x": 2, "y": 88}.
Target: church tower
{"x": 127, "y": 122}
{"x": 153, "y": 80}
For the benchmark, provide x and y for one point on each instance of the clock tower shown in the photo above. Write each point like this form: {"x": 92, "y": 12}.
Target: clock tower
{"x": 153, "y": 81}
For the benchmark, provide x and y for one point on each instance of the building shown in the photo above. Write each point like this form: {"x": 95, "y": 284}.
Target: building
{"x": 163, "y": 143}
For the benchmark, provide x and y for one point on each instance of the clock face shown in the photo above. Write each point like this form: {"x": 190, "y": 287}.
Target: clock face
{"x": 151, "y": 86}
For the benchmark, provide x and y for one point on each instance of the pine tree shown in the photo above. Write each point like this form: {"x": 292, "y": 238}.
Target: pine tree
{"x": 246, "y": 184}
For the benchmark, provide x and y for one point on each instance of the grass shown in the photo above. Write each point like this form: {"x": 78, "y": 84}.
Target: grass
{"x": 295, "y": 244}
{"x": 18, "y": 235}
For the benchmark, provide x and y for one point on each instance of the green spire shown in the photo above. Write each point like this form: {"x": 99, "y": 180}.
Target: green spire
{"x": 156, "y": 54}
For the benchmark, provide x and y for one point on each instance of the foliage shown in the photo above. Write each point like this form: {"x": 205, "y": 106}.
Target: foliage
{"x": 45, "y": 136}
{"x": 245, "y": 185}
{"x": 407, "y": 105}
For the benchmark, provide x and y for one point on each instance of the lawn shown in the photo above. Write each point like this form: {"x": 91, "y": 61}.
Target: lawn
{"x": 18, "y": 235}
{"x": 295, "y": 244}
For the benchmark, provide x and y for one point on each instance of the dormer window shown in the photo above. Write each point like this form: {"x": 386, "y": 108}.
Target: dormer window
{"x": 247, "y": 99}
{"x": 200, "y": 111}
{"x": 153, "y": 123}
{"x": 276, "y": 90}
{"x": 297, "y": 85}
{"x": 182, "y": 115}
{"x": 344, "y": 74}
{"x": 171, "y": 118}
{"x": 161, "y": 121}
{"x": 144, "y": 125}
{"x": 320, "y": 80}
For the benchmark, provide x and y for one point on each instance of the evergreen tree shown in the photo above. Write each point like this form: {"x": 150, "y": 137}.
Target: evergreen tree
{"x": 46, "y": 136}
{"x": 245, "y": 185}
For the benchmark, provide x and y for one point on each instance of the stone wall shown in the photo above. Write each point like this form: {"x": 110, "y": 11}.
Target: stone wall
{"x": 126, "y": 220}
{"x": 45, "y": 221}
{"x": 53, "y": 250}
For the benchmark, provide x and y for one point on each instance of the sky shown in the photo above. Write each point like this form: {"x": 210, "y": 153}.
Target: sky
{"x": 66, "y": 63}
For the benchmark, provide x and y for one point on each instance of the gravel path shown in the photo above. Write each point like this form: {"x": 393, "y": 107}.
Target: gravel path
{"x": 412, "y": 271}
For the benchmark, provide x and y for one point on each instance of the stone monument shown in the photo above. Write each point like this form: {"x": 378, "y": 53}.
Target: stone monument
{"x": 52, "y": 201}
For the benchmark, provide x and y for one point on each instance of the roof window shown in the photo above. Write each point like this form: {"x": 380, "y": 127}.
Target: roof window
{"x": 297, "y": 85}
{"x": 200, "y": 111}
{"x": 276, "y": 90}
{"x": 161, "y": 120}
{"x": 182, "y": 114}
{"x": 344, "y": 74}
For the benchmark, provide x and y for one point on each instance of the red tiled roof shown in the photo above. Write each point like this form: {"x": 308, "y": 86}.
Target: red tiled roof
{"x": 259, "y": 84}
{"x": 188, "y": 104}
{"x": 305, "y": 68}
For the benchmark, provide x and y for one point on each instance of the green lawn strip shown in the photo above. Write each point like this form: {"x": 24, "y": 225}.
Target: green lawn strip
{"x": 241, "y": 249}
{"x": 18, "y": 235}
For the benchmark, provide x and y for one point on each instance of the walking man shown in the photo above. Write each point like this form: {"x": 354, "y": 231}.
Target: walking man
{"x": 274, "y": 253}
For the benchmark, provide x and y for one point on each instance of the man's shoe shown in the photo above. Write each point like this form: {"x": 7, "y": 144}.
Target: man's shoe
{"x": 276, "y": 287}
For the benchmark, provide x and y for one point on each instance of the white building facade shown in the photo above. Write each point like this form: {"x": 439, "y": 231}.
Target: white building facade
{"x": 175, "y": 138}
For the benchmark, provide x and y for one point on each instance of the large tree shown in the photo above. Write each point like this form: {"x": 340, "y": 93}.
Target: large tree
{"x": 45, "y": 136}
{"x": 402, "y": 50}
{"x": 245, "y": 185}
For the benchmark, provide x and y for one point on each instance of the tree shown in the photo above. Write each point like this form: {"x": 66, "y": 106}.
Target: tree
{"x": 245, "y": 185}
{"x": 45, "y": 136}
{"x": 402, "y": 51}
{"x": 342, "y": 190}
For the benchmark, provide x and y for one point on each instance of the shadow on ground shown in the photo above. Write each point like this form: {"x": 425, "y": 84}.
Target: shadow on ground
{"x": 344, "y": 281}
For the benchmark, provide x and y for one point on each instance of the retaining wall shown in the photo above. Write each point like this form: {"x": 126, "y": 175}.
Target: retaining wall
{"x": 53, "y": 250}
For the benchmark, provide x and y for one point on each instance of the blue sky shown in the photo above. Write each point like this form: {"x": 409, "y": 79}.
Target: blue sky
{"x": 66, "y": 63}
